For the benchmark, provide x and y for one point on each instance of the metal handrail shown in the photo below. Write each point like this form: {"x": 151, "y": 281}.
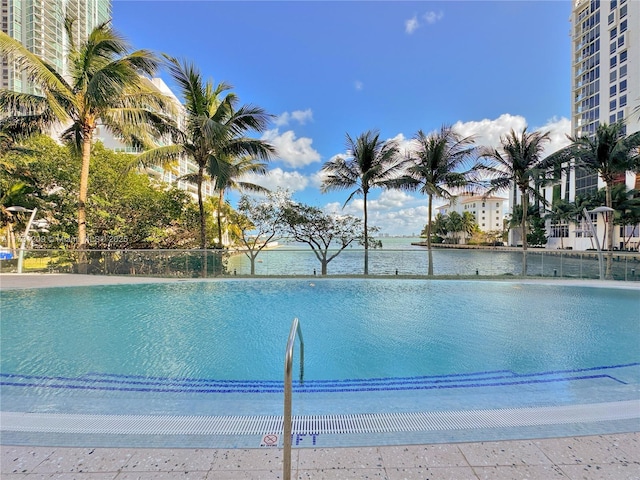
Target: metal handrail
{"x": 288, "y": 366}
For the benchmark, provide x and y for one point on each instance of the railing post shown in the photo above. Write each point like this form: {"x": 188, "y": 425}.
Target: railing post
{"x": 288, "y": 365}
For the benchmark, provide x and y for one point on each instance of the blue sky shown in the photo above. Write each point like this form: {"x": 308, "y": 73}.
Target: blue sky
{"x": 329, "y": 68}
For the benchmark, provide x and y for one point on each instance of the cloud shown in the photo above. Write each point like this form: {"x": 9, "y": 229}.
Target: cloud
{"x": 358, "y": 85}
{"x": 300, "y": 116}
{"x": 411, "y": 25}
{"x": 429, "y": 18}
{"x": 295, "y": 152}
{"x": 277, "y": 178}
{"x": 488, "y": 132}
{"x": 433, "y": 17}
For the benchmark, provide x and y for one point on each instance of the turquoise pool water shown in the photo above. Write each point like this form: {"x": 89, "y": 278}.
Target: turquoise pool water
{"x": 173, "y": 347}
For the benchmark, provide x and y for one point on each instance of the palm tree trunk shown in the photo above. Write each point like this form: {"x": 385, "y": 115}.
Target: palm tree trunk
{"x": 203, "y": 239}
{"x": 525, "y": 207}
{"x": 366, "y": 237}
{"x": 82, "y": 200}
{"x": 608, "y": 216}
{"x": 220, "y": 198}
{"x": 429, "y": 252}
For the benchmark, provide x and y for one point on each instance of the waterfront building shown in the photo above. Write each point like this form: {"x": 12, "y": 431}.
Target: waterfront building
{"x": 489, "y": 212}
{"x": 605, "y": 88}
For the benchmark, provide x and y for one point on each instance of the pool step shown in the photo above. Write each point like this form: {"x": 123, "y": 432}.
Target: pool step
{"x": 498, "y": 378}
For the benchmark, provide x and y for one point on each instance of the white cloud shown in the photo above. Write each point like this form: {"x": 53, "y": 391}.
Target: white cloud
{"x": 429, "y": 17}
{"x": 300, "y": 116}
{"x": 433, "y": 17}
{"x": 358, "y": 85}
{"x": 277, "y": 178}
{"x": 295, "y": 152}
{"x": 411, "y": 25}
{"x": 488, "y": 132}
{"x": 558, "y": 129}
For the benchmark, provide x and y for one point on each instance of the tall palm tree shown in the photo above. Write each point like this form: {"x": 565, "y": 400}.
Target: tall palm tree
{"x": 371, "y": 163}
{"x": 610, "y": 154}
{"x": 518, "y": 163}
{"x": 105, "y": 85}
{"x": 213, "y": 130}
{"x": 562, "y": 212}
{"x": 227, "y": 173}
{"x": 433, "y": 168}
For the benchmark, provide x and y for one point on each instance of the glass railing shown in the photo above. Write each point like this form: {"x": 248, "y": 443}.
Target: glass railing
{"x": 289, "y": 261}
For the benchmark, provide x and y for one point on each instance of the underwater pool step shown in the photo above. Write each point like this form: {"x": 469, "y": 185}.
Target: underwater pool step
{"x": 126, "y": 383}
{"x": 318, "y": 424}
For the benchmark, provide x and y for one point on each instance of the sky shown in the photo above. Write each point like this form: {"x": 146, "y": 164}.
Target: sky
{"x": 325, "y": 69}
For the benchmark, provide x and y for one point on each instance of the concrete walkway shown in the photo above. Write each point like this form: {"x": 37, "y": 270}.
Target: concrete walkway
{"x": 604, "y": 457}
{"x": 601, "y": 457}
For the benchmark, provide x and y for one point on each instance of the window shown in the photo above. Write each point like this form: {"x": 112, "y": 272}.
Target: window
{"x": 623, "y": 26}
{"x": 612, "y": 105}
{"x": 612, "y": 47}
{"x": 620, "y": 40}
{"x": 612, "y": 17}
{"x": 612, "y": 118}
{"x": 613, "y": 76}
{"x": 613, "y": 62}
{"x": 623, "y": 11}
{"x": 623, "y": 100}
{"x": 614, "y": 3}
{"x": 612, "y": 90}
{"x": 623, "y": 86}
{"x": 623, "y": 71}
{"x": 613, "y": 34}
{"x": 623, "y": 56}
{"x": 620, "y": 116}
{"x": 498, "y": 204}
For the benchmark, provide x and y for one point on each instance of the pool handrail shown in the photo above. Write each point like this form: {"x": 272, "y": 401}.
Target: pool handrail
{"x": 288, "y": 366}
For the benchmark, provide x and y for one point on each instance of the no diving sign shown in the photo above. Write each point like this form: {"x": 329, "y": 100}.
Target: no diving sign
{"x": 269, "y": 440}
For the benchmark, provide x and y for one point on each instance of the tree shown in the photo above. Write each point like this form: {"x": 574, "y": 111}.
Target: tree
{"x": 213, "y": 131}
{"x": 610, "y": 154}
{"x": 517, "y": 163}
{"x": 561, "y": 214}
{"x": 627, "y": 205}
{"x": 227, "y": 173}
{"x": 469, "y": 224}
{"x": 455, "y": 225}
{"x": 321, "y": 231}
{"x": 433, "y": 169}
{"x": 260, "y": 223}
{"x": 106, "y": 85}
{"x": 371, "y": 162}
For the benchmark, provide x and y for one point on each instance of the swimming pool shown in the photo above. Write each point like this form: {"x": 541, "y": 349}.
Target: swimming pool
{"x": 371, "y": 346}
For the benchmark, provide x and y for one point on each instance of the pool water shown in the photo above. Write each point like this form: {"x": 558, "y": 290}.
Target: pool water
{"x": 65, "y": 348}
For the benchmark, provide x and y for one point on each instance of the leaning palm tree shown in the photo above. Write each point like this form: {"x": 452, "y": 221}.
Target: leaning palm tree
{"x": 105, "y": 85}
{"x": 518, "y": 163}
{"x": 370, "y": 163}
{"x": 213, "y": 130}
{"x": 229, "y": 173}
{"x": 433, "y": 169}
{"x": 610, "y": 154}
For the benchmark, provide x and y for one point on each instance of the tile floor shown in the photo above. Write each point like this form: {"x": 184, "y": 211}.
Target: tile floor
{"x": 602, "y": 457}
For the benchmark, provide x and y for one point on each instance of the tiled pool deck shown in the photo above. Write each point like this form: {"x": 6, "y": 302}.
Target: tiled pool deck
{"x": 600, "y": 457}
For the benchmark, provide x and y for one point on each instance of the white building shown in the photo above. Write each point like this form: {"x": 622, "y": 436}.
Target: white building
{"x": 605, "y": 50}
{"x": 489, "y": 212}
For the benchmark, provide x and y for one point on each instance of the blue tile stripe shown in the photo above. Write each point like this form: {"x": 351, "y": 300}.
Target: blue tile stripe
{"x": 132, "y": 383}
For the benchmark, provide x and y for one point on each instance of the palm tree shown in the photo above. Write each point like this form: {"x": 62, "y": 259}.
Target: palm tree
{"x": 371, "y": 163}
{"x": 213, "y": 130}
{"x": 468, "y": 224}
{"x": 227, "y": 173}
{"x": 519, "y": 164}
{"x": 610, "y": 154}
{"x": 562, "y": 212}
{"x": 432, "y": 168}
{"x": 105, "y": 85}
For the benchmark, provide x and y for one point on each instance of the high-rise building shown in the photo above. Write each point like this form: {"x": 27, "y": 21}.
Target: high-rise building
{"x": 605, "y": 88}
{"x": 39, "y": 26}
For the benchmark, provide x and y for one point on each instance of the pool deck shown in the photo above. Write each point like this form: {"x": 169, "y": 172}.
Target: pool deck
{"x": 599, "y": 457}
